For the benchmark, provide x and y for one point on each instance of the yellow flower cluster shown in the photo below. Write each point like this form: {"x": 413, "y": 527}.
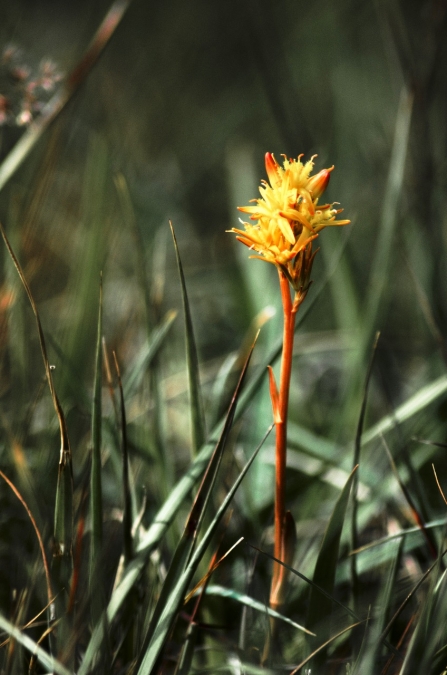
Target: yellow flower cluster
{"x": 288, "y": 214}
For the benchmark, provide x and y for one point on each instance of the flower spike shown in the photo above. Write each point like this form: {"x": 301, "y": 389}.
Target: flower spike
{"x": 287, "y": 216}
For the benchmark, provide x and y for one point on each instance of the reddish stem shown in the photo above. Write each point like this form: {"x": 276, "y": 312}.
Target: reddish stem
{"x": 289, "y": 310}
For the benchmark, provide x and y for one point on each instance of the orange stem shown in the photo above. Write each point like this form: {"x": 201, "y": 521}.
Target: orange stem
{"x": 281, "y": 430}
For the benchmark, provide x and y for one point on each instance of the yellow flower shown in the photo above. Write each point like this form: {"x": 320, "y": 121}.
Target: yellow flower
{"x": 288, "y": 214}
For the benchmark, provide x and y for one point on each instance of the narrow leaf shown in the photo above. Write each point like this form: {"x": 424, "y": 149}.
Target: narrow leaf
{"x": 175, "y": 600}
{"x": 136, "y": 373}
{"x": 186, "y": 544}
{"x": 324, "y": 575}
{"x": 95, "y": 484}
{"x": 246, "y": 600}
{"x": 196, "y": 405}
{"x": 48, "y": 662}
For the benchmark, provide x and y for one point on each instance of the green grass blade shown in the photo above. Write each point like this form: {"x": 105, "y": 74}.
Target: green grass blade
{"x": 188, "y": 539}
{"x": 324, "y": 574}
{"x": 96, "y": 509}
{"x": 50, "y": 664}
{"x": 127, "y": 510}
{"x": 195, "y": 396}
{"x": 175, "y": 600}
{"x": 95, "y": 485}
{"x": 150, "y": 540}
{"x": 355, "y": 486}
{"x": 63, "y": 516}
{"x": 420, "y": 400}
{"x": 372, "y": 642}
{"x": 133, "y": 378}
{"x": 380, "y": 271}
{"x": 246, "y": 600}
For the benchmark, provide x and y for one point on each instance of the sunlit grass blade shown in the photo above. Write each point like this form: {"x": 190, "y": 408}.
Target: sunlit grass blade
{"x": 257, "y": 606}
{"x": 326, "y": 564}
{"x": 177, "y": 595}
{"x": 195, "y": 395}
{"x": 50, "y": 664}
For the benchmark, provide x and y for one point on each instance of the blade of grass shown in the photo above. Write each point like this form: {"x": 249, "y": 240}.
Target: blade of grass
{"x": 127, "y": 511}
{"x": 409, "y": 499}
{"x": 185, "y": 547}
{"x": 150, "y": 540}
{"x": 96, "y": 508}
{"x": 187, "y": 652}
{"x": 324, "y": 575}
{"x": 48, "y": 662}
{"x": 177, "y": 595}
{"x": 367, "y": 661}
{"x": 356, "y": 462}
{"x": 257, "y": 606}
{"x": 379, "y": 276}
{"x": 38, "y": 535}
{"x": 63, "y": 516}
{"x": 195, "y": 396}
{"x": 322, "y": 647}
{"x": 420, "y": 400}
{"x": 133, "y": 378}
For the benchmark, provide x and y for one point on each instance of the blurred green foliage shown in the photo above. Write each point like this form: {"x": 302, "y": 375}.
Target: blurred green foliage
{"x": 172, "y": 123}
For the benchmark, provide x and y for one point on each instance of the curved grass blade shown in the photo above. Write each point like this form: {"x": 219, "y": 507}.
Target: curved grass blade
{"x": 50, "y": 664}
{"x": 63, "y": 516}
{"x": 324, "y": 575}
{"x": 246, "y": 600}
{"x": 38, "y": 535}
{"x": 56, "y": 104}
{"x": 177, "y": 595}
{"x": 195, "y": 396}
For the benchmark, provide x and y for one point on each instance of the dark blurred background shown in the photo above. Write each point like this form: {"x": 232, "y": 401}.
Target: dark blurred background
{"x": 183, "y": 104}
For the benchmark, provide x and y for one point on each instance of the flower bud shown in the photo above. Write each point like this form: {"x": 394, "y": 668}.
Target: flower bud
{"x": 272, "y": 168}
{"x": 318, "y": 183}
